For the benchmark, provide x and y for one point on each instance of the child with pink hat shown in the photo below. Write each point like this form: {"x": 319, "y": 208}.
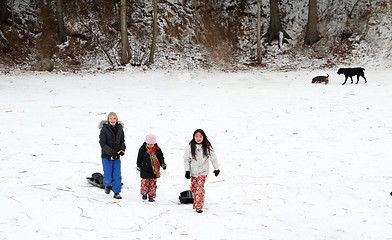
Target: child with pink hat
{"x": 149, "y": 161}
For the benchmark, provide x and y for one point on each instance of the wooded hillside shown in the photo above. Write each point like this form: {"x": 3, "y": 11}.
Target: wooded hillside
{"x": 193, "y": 34}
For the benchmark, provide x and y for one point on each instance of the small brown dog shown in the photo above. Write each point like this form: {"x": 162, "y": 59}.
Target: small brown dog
{"x": 321, "y": 79}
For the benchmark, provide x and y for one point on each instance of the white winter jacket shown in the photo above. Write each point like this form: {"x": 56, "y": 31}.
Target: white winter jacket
{"x": 200, "y": 165}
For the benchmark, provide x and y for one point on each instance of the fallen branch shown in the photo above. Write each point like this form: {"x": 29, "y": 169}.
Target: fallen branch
{"x": 69, "y": 228}
{"x": 13, "y": 198}
{"x": 40, "y": 185}
{"x": 82, "y": 215}
{"x": 114, "y": 203}
{"x": 2, "y": 35}
{"x": 67, "y": 190}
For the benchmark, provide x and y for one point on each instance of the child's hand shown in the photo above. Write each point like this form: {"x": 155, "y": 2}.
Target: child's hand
{"x": 115, "y": 156}
{"x": 187, "y": 174}
{"x": 217, "y": 172}
{"x": 121, "y": 152}
{"x": 164, "y": 166}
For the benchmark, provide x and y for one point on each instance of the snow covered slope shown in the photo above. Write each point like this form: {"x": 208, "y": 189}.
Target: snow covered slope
{"x": 298, "y": 161}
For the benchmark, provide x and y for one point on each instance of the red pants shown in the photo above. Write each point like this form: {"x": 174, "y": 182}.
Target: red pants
{"x": 198, "y": 192}
{"x": 149, "y": 187}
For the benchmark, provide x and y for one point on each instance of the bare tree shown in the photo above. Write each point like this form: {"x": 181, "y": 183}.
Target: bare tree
{"x": 258, "y": 31}
{"x": 242, "y": 5}
{"x": 13, "y": 23}
{"x": 312, "y": 35}
{"x": 367, "y": 22}
{"x": 351, "y": 12}
{"x": 3, "y": 11}
{"x": 154, "y": 32}
{"x": 96, "y": 36}
{"x": 196, "y": 22}
{"x": 275, "y": 28}
{"x": 11, "y": 41}
{"x": 61, "y": 32}
{"x": 366, "y": 30}
{"x": 125, "y": 50}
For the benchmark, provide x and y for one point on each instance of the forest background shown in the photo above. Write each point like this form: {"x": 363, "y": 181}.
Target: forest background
{"x": 229, "y": 35}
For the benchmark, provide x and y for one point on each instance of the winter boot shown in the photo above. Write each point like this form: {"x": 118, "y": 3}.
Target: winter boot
{"x": 107, "y": 190}
{"x": 199, "y": 210}
{"x": 117, "y": 196}
{"x": 144, "y": 197}
{"x": 151, "y": 200}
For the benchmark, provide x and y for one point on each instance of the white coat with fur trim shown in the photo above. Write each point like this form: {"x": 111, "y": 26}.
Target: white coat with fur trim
{"x": 200, "y": 165}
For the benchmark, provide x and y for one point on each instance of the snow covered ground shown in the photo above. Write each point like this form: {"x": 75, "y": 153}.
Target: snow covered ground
{"x": 298, "y": 161}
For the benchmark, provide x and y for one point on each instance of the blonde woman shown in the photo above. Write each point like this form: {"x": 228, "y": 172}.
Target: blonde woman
{"x": 112, "y": 141}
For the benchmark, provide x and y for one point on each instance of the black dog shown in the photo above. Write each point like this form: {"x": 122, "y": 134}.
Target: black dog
{"x": 350, "y": 72}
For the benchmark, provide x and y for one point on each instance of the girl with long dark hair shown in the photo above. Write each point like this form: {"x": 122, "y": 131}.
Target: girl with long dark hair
{"x": 196, "y": 165}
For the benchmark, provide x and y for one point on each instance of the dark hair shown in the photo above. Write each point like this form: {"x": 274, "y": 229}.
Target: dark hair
{"x": 205, "y": 144}
{"x": 145, "y": 144}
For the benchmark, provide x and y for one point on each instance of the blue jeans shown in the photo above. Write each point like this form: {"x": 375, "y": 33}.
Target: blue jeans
{"x": 112, "y": 174}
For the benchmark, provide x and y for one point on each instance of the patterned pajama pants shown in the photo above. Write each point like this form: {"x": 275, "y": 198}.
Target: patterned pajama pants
{"x": 198, "y": 192}
{"x": 149, "y": 187}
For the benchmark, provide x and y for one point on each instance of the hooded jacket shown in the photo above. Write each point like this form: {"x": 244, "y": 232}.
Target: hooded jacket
{"x": 200, "y": 165}
{"x": 109, "y": 141}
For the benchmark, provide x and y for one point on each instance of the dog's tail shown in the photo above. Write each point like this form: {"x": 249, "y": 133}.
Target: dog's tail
{"x": 327, "y": 75}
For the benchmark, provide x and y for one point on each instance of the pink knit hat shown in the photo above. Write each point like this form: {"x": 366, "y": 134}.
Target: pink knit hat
{"x": 151, "y": 139}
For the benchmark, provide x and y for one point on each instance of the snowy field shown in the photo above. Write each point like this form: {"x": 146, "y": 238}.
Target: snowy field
{"x": 298, "y": 161}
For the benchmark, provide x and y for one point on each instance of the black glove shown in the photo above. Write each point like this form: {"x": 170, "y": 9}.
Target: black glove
{"x": 217, "y": 172}
{"x": 164, "y": 166}
{"x": 115, "y": 156}
{"x": 121, "y": 152}
{"x": 187, "y": 175}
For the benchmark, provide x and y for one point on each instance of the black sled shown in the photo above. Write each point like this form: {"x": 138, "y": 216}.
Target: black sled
{"x": 186, "y": 197}
{"x": 96, "y": 179}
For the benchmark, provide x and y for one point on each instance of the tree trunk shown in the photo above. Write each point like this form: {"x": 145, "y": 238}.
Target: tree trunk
{"x": 258, "y": 31}
{"x": 390, "y": 5}
{"x": 196, "y": 22}
{"x": 46, "y": 44}
{"x": 13, "y": 22}
{"x": 312, "y": 34}
{"x": 11, "y": 41}
{"x": 154, "y": 32}
{"x": 3, "y": 13}
{"x": 125, "y": 56}
{"x": 367, "y": 22}
{"x": 275, "y": 27}
{"x": 351, "y": 12}
{"x": 61, "y": 32}
{"x": 242, "y": 5}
